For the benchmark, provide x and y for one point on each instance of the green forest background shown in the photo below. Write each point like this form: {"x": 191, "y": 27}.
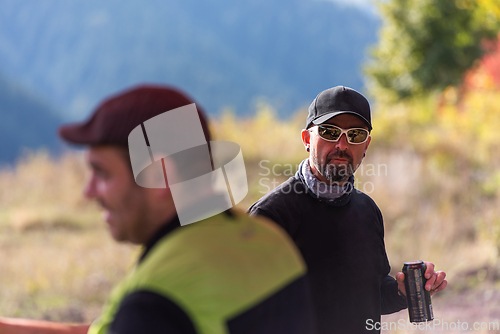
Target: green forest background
{"x": 433, "y": 168}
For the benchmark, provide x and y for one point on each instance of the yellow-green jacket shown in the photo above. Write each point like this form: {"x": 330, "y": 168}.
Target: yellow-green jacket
{"x": 226, "y": 274}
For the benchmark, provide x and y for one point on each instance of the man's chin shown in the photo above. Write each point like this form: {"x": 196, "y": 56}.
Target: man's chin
{"x": 337, "y": 181}
{"x": 337, "y": 178}
{"x": 116, "y": 235}
{"x": 108, "y": 218}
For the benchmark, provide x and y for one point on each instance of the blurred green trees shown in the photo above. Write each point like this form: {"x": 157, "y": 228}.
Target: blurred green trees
{"x": 436, "y": 81}
{"x": 427, "y": 45}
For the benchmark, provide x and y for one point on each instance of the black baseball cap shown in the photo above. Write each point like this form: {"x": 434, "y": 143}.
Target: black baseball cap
{"x": 335, "y": 101}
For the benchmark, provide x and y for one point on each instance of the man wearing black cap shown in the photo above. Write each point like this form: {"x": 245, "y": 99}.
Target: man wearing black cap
{"x": 225, "y": 272}
{"x": 338, "y": 229}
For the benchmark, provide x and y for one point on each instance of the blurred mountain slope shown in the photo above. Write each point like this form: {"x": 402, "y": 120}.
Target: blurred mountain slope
{"x": 25, "y": 122}
{"x": 225, "y": 53}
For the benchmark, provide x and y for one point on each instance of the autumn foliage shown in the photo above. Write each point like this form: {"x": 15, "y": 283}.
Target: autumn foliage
{"x": 486, "y": 73}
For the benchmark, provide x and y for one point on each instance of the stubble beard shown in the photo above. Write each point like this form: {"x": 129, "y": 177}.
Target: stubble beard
{"x": 335, "y": 174}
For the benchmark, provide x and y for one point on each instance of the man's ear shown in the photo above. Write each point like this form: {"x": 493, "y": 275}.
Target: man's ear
{"x": 367, "y": 144}
{"x": 169, "y": 171}
{"x": 306, "y": 137}
{"x": 168, "y": 177}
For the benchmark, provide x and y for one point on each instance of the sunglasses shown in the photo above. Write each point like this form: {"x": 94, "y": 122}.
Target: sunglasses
{"x": 333, "y": 133}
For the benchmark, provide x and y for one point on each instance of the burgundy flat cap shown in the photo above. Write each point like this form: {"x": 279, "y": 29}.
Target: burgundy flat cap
{"x": 117, "y": 116}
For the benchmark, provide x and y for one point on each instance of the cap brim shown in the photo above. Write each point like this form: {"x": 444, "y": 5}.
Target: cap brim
{"x": 76, "y": 134}
{"x": 324, "y": 118}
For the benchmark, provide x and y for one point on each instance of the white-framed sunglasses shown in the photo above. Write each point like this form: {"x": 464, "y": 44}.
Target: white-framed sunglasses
{"x": 332, "y": 133}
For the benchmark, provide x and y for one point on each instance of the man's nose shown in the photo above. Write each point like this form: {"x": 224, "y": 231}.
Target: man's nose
{"x": 342, "y": 144}
{"x": 89, "y": 190}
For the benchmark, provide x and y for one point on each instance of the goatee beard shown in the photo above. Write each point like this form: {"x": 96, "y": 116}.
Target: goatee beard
{"x": 333, "y": 173}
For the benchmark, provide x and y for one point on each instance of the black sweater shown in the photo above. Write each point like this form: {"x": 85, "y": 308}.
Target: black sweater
{"x": 343, "y": 247}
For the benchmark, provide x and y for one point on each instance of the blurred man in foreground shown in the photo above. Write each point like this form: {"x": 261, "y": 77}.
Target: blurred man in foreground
{"x": 225, "y": 273}
{"x": 339, "y": 229}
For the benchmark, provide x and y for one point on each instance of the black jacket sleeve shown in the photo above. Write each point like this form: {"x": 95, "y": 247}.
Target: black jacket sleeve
{"x": 147, "y": 312}
{"x": 391, "y": 301}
